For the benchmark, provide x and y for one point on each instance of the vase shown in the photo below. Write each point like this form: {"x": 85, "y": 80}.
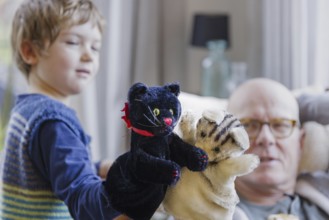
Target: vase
{"x": 216, "y": 77}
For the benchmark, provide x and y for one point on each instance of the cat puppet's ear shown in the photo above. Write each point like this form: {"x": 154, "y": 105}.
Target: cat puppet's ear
{"x": 173, "y": 88}
{"x": 137, "y": 90}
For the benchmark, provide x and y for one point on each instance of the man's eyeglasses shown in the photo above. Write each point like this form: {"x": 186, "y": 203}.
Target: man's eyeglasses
{"x": 280, "y": 127}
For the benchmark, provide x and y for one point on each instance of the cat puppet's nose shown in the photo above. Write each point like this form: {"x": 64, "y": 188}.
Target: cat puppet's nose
{"x": 168, "y": 121}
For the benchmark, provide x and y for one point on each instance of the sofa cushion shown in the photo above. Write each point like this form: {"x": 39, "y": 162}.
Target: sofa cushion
{"x": 314, "y": 107}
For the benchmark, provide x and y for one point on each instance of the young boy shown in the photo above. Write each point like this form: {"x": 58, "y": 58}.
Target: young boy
{"x": 47, "y": 171}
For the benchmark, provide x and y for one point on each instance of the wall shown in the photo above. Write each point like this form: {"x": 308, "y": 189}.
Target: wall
{"x": 245, "y": 31}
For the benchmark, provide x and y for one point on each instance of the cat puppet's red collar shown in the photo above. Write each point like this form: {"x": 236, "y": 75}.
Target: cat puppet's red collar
{"x": 128, "y": 123}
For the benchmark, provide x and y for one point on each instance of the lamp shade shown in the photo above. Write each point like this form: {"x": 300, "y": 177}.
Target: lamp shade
{"x": 207, "y": 27}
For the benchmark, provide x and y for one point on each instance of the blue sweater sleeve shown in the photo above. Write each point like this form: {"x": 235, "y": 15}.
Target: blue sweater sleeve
{"x": 64, "y": 160}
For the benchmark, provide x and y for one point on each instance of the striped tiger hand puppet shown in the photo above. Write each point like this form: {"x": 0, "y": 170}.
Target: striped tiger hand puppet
{"x": 211, "y": 194}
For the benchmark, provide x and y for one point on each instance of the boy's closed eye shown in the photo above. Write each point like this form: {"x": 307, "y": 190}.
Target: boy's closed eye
{"x": 72, "y": 42}
{"x": 96, "y": 47}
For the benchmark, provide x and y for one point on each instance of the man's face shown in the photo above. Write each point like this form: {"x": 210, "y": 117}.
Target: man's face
{"x": 279, "y": 157}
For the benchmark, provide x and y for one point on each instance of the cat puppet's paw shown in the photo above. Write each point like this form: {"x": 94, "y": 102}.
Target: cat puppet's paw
{"x": 198, "y": 160}
{"x": 170, "y": 174}
{"x": 176, "y": 173}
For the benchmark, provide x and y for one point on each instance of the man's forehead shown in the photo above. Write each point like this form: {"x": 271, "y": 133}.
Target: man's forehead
{"x": 271, "y": 106}
{"x": 262, "y": 92}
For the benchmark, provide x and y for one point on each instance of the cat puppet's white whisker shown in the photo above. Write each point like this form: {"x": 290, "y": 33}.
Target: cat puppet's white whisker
{"x": 148, "y": 126}
{"x": 152, "y": 122}
{"x": 155, "y": 118}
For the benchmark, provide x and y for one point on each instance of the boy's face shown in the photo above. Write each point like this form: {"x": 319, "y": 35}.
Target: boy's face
{"x": 69, "y": 63}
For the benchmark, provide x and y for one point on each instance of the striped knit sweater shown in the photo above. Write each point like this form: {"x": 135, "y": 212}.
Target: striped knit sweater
{"x": 25, "y": 193}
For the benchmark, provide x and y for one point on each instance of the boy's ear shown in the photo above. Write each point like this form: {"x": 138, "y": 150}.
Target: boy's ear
{"x": 28, "y": 53}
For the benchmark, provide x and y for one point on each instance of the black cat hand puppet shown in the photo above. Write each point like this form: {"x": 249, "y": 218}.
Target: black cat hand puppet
{"x": 137, "y": 180}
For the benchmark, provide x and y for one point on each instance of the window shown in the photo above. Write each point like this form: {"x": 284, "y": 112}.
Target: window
{"x": 11, "y": 81}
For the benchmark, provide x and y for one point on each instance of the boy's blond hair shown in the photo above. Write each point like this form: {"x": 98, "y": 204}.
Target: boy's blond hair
{"x": 39, "y": 22}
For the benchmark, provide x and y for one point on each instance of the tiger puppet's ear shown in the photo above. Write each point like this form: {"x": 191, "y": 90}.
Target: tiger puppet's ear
{"x": 214, "y": 116}
{"x": 187, "y": 126}
{"x": 240, "y": 137}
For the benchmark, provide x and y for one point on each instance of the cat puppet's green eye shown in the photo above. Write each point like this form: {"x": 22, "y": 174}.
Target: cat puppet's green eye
{"x": 171, "y": 111}
{"x": 156, "y": 111}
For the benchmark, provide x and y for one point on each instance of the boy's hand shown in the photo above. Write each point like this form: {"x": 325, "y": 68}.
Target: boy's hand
{"x": 104, "y": 167}
{"x": 122, "y": 217}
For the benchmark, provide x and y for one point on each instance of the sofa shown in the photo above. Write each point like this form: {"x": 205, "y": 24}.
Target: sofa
{"x": 313, "y": 181}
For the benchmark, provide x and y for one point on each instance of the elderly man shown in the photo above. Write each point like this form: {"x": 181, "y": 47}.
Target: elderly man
{"x": 269, "y": 112}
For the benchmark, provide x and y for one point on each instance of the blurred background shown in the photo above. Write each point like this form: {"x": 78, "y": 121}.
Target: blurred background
{"x": 161, "y": 41}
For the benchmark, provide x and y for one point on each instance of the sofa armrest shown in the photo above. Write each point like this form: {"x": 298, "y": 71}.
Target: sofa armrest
{"x": 199, "y": 103}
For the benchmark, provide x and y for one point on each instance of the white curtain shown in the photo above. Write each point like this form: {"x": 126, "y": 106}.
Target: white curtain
{"x": 296, "y": 42}
{"x": 146, "y": 41}
{"x": 141, "y": 43}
